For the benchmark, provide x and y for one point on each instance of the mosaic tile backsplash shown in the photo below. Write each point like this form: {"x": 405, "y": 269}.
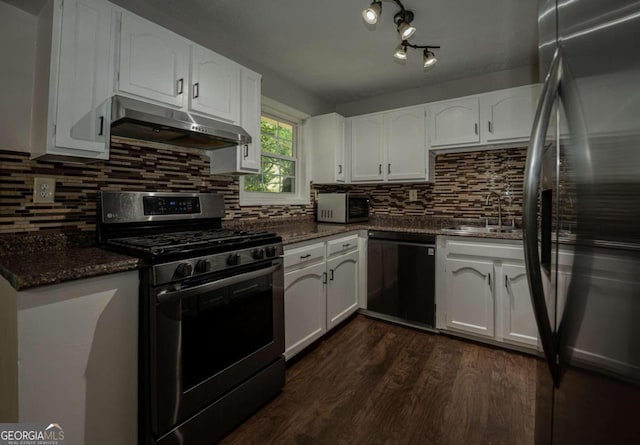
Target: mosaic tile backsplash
{"x": 462, "y": 182}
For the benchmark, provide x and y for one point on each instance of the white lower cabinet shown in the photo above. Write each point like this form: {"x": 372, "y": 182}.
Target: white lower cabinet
{"x": 482, "y": 291}
{"x": 305, "y": 307}
{"x": 519, "y": 324}
{"x": 321, "y": 289}
{"x": 342, "y": 290}
{"x": 70, "y": 353}
{"x": 470, "y": 296}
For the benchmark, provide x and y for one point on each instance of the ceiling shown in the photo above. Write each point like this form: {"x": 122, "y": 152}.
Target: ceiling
{"x": 325, "y": 47}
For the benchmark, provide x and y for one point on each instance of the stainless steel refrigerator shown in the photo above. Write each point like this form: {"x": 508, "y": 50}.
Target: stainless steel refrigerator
{"x": 581, "y": 220}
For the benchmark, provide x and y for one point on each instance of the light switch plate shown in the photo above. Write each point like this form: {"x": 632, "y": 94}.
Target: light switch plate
{"x": 413, "y": 195}
{"x": 44, "y": 190}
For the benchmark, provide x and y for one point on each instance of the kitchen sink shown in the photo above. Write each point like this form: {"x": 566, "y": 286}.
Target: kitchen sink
{"x": 471, "y": 230}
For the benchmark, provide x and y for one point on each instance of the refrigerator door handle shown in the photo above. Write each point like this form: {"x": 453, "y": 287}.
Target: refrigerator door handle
{"x": 533, "y": 170}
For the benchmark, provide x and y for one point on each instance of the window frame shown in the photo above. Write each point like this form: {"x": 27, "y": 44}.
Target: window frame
{"x": 276, "y": 110}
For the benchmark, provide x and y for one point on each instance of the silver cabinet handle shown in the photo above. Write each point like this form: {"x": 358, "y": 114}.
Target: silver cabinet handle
{"x": 339, "y": 169}
{"x": 324, "y": 278}
{"x": 331, "y": 273}
{"x": 475, "y": 128}
{"x": 506, "y": 282}
{"x": 180, "y": 86}
{"x": 379, "y": 169}
{"x": 196, "y": 90}
{"x": 490, "y": 285}
{"x": 302, "y": 257}
{"x": 389, "y": 169}
{"x": 533, "y": 169}
{"x": 490, "y": 127}
{"x": 101, "y": 130}
{"x": 344, "y": 246}
{"x": 246, "y": 151}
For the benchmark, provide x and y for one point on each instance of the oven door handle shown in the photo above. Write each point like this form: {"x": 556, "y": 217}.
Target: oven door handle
{"x": 166, "y": 296}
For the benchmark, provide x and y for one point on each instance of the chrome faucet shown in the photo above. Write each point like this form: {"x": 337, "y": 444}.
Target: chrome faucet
{"x": 491, "y": 193}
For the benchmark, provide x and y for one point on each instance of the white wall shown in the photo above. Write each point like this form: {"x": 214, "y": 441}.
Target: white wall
{"x": 17, "y": 69}
{"x": 455, "y": 88}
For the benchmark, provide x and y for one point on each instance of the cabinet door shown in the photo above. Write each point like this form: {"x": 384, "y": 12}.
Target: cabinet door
{"x": 519, "y": 322}
{"x": 367, "y": 156}
{"x": 215, "y": 85}
{"x": 153, "y": 62}
{"x": 405, "y": 143}
{"x": 469, "y": 290}
{"x": 83, "y": 78}
{"x": 305, "y": 311}
{"x": 454, "y": 122}
{"x": 325, "y": 135}
{"x": 250, "y": 119}
{"x": 342, "y": 290}
{"x": 508, "y": 115}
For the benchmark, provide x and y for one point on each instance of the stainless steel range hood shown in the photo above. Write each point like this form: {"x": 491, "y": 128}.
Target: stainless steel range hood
{"x": 148, "y": 122}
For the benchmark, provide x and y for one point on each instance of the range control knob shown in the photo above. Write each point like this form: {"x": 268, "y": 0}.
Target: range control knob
{"x": 183, "y": 270}
{"x": 257, "y": 254}
{"x": 203, "y": 266}
{"x": 270, "y": 251}
{"x": 233, "y": 259}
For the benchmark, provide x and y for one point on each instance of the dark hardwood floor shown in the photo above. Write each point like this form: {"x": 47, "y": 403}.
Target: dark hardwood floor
{"x": 377, "y": 383}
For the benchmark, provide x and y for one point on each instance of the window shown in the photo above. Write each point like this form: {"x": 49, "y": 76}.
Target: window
{"x": 278, "y": 145}
{"x": 282, "y": 179}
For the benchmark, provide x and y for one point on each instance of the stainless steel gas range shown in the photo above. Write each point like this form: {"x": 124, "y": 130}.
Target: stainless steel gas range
{"x": 211, "y": 313}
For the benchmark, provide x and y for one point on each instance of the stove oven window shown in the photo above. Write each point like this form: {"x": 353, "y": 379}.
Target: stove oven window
{"x": 222, "y": 327}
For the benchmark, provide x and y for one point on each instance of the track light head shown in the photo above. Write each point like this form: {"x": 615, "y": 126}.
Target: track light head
{"x": 406, "y": 30}
{"x": 429, "y": 59}
{"x": 372, "y": 13}
{"x": 401, "y": 52}
{"x": 403, "y": 20}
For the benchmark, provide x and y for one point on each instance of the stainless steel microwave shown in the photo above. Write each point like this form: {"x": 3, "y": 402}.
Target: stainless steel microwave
{"x": 342, "y": 208}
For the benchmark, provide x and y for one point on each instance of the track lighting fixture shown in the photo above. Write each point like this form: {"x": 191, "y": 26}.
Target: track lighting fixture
{"x": 406, "y": 30}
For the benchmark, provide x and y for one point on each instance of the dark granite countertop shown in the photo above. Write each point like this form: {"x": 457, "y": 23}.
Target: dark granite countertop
{"x": 307, "y": 229}
{"x": 28, "y": 261}
{"x": 40, "y": 259}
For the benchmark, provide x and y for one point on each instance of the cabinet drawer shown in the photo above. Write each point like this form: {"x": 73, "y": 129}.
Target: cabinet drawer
{"x": 341, "y": 245}
{"x": 303, "y": 255}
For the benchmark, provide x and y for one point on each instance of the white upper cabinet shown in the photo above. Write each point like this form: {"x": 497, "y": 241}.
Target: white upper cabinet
{"x": 215, "y": 85}
{"x": 245, "y": 159}
{"x": 75, "y": 123}
{"x": 367, "y": 150}
{"x": 507, "y": 115}
{"x": 455, "y": 122}
{"x": 153, "y": 62}
{"x": 324, "y": 135}
{"x": 250, "y": 118}
{"x": 406, "y": 145}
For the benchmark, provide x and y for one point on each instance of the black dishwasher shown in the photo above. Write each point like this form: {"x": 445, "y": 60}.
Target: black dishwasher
{"x": 401, "y": 277}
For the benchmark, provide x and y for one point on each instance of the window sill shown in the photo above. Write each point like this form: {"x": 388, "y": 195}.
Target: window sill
{"x": 259, "y": 199}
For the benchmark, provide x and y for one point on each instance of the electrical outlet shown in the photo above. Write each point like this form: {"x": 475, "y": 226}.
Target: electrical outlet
{"x": 413, "y": 195}
{"x": 44, "y": 190}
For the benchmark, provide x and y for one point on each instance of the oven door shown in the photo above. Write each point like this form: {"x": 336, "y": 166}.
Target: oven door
{"x": 212, "y": 336}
